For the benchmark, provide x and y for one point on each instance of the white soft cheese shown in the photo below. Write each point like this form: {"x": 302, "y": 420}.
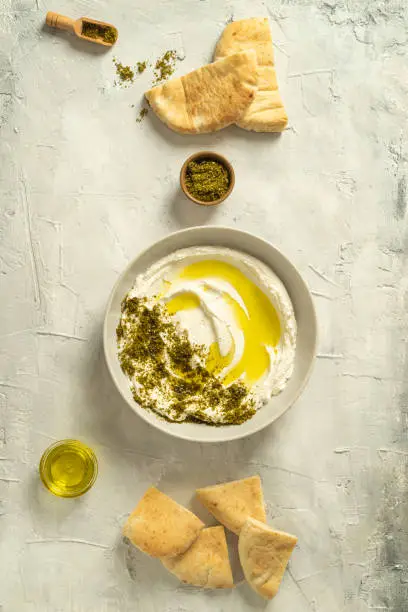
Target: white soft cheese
{"x": 213, "y": 320}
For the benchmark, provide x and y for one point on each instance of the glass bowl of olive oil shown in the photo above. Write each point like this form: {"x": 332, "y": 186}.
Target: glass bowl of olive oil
{"x": 68, "y": 468}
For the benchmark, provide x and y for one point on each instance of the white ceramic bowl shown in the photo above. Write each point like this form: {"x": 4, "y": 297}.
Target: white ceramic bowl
{"x": 304, "y": 312}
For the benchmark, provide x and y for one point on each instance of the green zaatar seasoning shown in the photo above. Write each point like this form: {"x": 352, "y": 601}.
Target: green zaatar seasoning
{"x": 110, "y": 35}
{"x": 164, "y": 66}
{"x": 95, "y": 31}
{"x": 166, "y": 368}
{"x": 207, "y": 180}
{"x": 124, "y": 74}
{"x": 142, "y": 114}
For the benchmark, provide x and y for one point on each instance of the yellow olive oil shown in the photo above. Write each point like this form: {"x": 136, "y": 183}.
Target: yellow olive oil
{"x": 260, "y": 322}
{"x": 68, "y": 468}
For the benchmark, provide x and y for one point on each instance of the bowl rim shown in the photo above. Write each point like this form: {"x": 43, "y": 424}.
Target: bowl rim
{"x": 211, "y": 155}
{"x": 162, "y": 424}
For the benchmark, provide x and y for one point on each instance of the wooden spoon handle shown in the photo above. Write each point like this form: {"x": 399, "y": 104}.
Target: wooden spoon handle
{"x": 55, "y": 20}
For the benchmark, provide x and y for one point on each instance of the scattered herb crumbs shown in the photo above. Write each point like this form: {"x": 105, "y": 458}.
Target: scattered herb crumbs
{"x": 125, "y": 74}
{"x": 164, "y": 66}
{"x": 143, "y": 112}
{"x": 163, "y": 69}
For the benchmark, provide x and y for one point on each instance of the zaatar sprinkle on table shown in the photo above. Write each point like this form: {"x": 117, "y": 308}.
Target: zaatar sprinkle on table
{"x": 142, "y": 114}
{"x": 125, "y": 74}
{"x": 164, "y": 66}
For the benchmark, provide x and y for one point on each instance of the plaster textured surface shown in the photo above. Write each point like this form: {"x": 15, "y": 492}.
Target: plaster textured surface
{"x": 84, "y": 187}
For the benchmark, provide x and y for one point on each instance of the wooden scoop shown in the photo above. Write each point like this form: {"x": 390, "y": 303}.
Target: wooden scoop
{"x": 88, "y": 29}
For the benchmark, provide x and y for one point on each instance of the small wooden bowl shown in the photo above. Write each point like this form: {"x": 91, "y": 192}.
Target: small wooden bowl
{"x": 201, "y": 156}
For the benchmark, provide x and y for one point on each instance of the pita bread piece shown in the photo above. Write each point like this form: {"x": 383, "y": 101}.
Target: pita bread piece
{"x": 233, "y": 502}
{"x": 160, "y": 527}
{"x": 264, "y": 554}
{"x": 209, "y": 98}
{"x": 206, "y": 563}
{"x": 266, "y": 113}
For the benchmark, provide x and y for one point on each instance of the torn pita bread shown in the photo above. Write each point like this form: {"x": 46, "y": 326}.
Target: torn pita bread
{"x": 266, "y": 113}
{"x": 264, "y": 554}
{"x": 160, "y": 527}
{"x": 206, "y": 563}
{"x": 233, "y": 502}
{"x": 208, "y": 99}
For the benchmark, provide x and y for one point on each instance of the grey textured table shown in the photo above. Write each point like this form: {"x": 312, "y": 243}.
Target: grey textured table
{"x": 84, "y": 188}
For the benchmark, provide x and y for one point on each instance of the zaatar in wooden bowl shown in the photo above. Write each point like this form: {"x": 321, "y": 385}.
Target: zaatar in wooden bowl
{"x": 207, "y": 178}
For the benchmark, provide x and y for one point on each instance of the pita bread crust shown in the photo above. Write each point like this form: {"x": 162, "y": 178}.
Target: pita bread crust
{"x": 233, "y": 502}
{"x": 266, "y": 113}
{"x": 207, "y": 99}
{"x": 267, "y": 80}
{"x": 247, "y": 34}
{"x": 264, "y": 554}
{"x": 169, "y": 103}
{"x": 160, "y": 527}
{"x": 206, "y": 563}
